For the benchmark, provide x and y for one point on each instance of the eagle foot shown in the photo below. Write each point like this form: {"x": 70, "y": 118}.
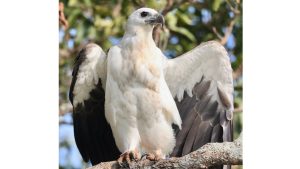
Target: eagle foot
{"x": 153, "y": 157}
{"x": 128, "y": 157}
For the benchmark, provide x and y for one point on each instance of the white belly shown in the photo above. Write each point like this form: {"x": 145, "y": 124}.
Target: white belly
{"x": 134, "y": 91}
{"x": 139, "y": 106}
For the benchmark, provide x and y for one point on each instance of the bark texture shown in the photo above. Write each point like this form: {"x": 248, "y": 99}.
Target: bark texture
{"x": 211, "y": 154}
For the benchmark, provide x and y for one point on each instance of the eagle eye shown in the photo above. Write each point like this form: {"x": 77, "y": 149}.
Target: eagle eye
{"x": 144, "y": 14}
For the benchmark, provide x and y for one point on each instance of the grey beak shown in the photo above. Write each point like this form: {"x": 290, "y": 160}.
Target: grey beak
{"x": 157, "y": 19}
{"x": 160, "y": 20}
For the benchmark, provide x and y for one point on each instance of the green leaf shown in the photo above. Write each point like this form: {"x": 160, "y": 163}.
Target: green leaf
{"x": 208, "y": 37}
{"x": 80, "y": 33}
{"x": 74, "y": 16}
{"x": 185, "y": 32}
{"x": 157, "y": 5}
{"x": 216, "y": 5}
{"x": 172, "y": 24}
{"x": 92, "y": 33}
{"x": 178, "y": 48}
{"x": 72, "y": 3}
{"x": 185, "y": 18}
{"x": 171, "y": 20}
{"x": 88, "y": 3}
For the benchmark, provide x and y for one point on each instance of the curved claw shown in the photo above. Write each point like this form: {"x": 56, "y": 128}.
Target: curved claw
{"x": 128, "y": 157}
{"x": 153, "y": 157}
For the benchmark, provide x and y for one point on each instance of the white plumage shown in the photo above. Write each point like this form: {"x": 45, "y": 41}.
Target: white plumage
{"x": 210, "y": 60}
{"x": 139, "y": 106}
{"x": 137, "y": 87}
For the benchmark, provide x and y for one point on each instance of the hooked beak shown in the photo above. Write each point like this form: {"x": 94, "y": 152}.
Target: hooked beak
{"x": 157, "y": 19}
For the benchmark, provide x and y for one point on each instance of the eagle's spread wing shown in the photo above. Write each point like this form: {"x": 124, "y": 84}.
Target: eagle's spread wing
{"x": 93, "y": 135}
{"x": 201, "y": 84}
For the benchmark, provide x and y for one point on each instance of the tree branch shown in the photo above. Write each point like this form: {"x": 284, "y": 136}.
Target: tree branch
{"x": 169, "y": 7}
{"x": 211, "y": 154}
{"x": 62, "y": 18}
{"x": 238, "y": 110}
{"x": 223, "y": 39}
{"x": 235, "y": 10}
{"x": 238, "y": 72}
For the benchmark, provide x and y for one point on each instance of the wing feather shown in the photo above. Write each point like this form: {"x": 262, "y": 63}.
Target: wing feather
{"x": 93, "y": 134}
{"x": 201, "y": 84}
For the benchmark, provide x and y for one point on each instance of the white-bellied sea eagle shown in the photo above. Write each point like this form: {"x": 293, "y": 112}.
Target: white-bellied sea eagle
{"x": 135, "y": 100}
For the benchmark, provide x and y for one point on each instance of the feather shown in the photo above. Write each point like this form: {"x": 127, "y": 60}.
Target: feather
{"x": 207, "y": 114}
{"x": 93, "y": 135}
{"x": 145, "y": 94}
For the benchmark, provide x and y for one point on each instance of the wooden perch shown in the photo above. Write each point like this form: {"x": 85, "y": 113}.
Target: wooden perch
{"x": 211, "y": 154}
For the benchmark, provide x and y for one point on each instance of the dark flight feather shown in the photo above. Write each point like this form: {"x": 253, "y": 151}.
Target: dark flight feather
{"x": 92, "y": 133}
{"x": 78, "y": 60}
{"x": 203, "y": 119}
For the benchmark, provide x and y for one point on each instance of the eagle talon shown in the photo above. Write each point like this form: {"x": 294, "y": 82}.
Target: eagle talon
{"x": 122, "y": 164}
{"x": 144, "y": 156}
{"x": 127, "y": 158}
{"x": 152, "y": 157}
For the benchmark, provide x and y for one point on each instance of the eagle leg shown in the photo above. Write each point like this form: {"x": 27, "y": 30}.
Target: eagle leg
{"x": 156, "y": 156}
{"x": 127, "y": 157}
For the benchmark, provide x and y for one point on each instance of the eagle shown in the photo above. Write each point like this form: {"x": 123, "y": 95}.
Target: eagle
{"x": 135, "y": 100}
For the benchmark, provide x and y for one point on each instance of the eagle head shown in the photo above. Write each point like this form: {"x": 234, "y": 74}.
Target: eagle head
{"x": 146, "y": 17}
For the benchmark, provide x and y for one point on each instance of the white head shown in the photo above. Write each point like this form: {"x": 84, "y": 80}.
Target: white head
{"x": 145, "y": 19}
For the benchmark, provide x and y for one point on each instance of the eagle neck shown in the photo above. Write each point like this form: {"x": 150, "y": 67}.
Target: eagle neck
{"x": 137, "y": 37}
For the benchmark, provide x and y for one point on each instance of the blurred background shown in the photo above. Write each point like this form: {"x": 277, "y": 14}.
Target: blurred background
{"x": 188, "y": 23}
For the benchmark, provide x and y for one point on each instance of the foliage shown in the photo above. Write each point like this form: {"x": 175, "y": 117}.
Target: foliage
{"x": 188, "y": 23}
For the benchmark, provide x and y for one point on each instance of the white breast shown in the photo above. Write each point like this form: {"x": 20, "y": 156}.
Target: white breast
{"x": 138, "y": 101}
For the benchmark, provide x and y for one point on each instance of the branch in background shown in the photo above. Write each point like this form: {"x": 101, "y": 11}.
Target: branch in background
{"x": 169, "y": 7}
{"x": 62, "y": 18}
{"x": 229, "y": 28}
{"x": 139, "y": 4}
{"x": 238, "y": 72}
{"x": 157, "y": 30}
{"x": 223, "y": 39}
{"x": 172, "y": 5}
{"x": 65, "y": 123}
{"x": 65, "y": 108}
{"x": 211, "y": 154}
{"x": 117, "y": 9}
{"x": 234, "y": 9}
{"x": 238, "y": 110}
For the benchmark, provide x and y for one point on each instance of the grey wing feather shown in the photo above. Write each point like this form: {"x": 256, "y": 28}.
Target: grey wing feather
{"x": 201, "y": 84}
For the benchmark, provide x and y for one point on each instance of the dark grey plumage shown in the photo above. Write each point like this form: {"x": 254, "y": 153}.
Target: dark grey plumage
{"x": 201, "y": 116}
{"x": 92, "y": 133}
